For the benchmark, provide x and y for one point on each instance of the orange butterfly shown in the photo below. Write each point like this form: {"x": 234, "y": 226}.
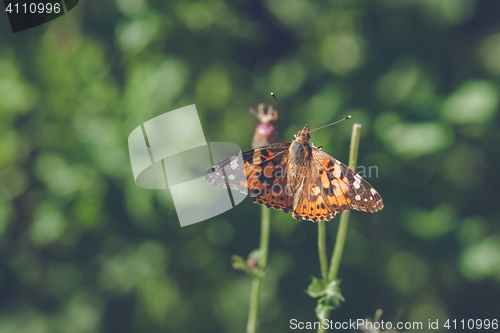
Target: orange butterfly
{"x": 296, "y": 177}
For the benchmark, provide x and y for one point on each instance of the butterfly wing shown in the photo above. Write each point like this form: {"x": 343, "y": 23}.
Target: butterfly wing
{"x": 259, "y": 172}
{"x": 311, "y": 200}
{"x": 274, "y": 190}
{"x": 344, "y": 188}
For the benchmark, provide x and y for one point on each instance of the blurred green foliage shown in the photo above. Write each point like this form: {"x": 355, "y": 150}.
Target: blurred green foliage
{"x": 83, "y": 249}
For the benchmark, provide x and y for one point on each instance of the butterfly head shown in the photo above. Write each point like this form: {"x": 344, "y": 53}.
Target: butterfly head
{"x": 303, "y": 135}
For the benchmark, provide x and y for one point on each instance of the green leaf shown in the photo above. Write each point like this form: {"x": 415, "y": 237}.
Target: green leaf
{"x": 333, "y": 289}
{"x": 248, "y": 266}
{"x": 254, "y": 255}
{"x": 328, "y": 303}
{"x": 238, "y": 262}
{"x": 316, "y": 288}
{"x": 330, "y": 296}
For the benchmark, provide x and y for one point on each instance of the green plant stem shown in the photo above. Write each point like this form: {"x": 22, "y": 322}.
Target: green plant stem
{"x": 344, "y": 218}
{"x": 339, "y": 246}
{"x": 254, "y": 305}
{"x": 257, "y": 281}
{"x": 264, "y": 236}
{"x": 321, "y": 329}
{"x": 342, "y": 230}
{"x": 323, "y": 260}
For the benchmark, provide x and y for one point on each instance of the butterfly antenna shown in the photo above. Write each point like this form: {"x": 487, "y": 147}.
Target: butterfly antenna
{"x": 272, "y": 94}
{"x": 338, "y": 121}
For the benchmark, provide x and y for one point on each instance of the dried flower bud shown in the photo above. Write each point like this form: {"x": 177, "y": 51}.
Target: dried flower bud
{"x": 251, "y": 262}
{"x": 265, "y": 133}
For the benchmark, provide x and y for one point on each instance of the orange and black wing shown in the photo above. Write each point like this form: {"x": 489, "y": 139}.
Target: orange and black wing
{"x": 344, "y": 189}
{"x": 259, "y": 172}
{"x": 311, "y": 199}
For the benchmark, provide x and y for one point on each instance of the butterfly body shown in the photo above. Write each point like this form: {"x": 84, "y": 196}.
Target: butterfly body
{"x": 296, "y": 177}
{"x": 299, "y": 154}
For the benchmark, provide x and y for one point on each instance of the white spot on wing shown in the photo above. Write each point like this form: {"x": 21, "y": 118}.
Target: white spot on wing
{"x": 358, "y": 197}
{"x": 256, "y": 157}
{"x": 336, "y": 171}
{"x": 231, "y": 177}
{"x": 373, "y": 191}
{"x": 357, "y": 181}
{"x": 234, "y": 164}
